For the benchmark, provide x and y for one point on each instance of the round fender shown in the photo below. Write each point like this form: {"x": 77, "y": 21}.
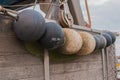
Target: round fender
{"x": 100, "y": 41}
{"x": 53, "y": 37}
{"x": 89, "y": 43}
{"x": 73, "y": 42}
{"x": 112, "y": 36}
{"x": 29, "y": 26}
{"x": 108, "y": 38}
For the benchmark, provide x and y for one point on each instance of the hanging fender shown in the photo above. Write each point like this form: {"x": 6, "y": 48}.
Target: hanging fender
{"x": 101, "y": 41}
{"x": 108, "y": 38}
{"x": 53, "y": 36}
{"x": 29, "y": 26}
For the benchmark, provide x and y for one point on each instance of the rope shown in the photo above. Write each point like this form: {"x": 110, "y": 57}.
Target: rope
{"x": 49, "y": 9}
{"x": 8, "y": 12}
{"x": 35, "y": 4}
{"x": 5, "y": 10}
{"x": 88, "y": 14}
{"x": 31, "y": 4}
{"x": 12, "y": 11}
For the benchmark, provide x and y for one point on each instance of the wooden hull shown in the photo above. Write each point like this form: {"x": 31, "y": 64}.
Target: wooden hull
{"x": 17, "y": 64}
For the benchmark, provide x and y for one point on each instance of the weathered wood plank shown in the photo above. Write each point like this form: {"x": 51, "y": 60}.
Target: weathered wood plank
{"x": 39, "y": 78}
{"x": 79, "y": 75}
{"x": 8, "y": 44}
{"x": 19, "y": 60}
{"x": 14, "y": 65}
{"x": 74, "y": 67}
{"x": 16, "y": 73}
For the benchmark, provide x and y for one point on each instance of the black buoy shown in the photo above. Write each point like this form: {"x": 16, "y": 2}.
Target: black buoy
{"x": 53, "y": 37}
{"x": 108, "y": 38}
{"x": 29, "y": 26}
{"x": 112, "y": 36}
{"x": 100, "y": 41}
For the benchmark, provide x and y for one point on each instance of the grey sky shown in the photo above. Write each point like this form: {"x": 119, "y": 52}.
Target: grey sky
{"x": 105, "y": 14}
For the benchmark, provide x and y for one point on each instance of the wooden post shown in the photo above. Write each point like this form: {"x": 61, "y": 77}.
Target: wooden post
{"x": 76, "y": 12}
{"x": 46, "y": 65}
{"x": 48, "y": 9}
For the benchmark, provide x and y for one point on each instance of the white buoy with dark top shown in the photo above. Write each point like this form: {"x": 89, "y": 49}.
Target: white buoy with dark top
{"x": 53, "y": 37}
{"x": 73, "y": 42}
{"x": 101, "y": 42}
{"x": 29, "y": 25}
{"x": 89, "y": 43}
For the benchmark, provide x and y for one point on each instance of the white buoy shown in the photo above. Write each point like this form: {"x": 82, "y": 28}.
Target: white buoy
{"x": 88, "y": 43}
{"x": 73, "y": 41}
